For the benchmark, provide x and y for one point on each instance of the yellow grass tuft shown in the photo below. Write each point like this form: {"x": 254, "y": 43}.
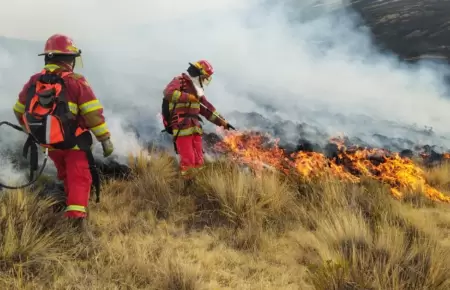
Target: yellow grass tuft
{"x": 231, "y": 229}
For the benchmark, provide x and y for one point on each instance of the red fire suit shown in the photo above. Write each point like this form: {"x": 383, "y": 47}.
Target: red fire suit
{"x": 187, "y": 129}
{"x": 72, "y": 165}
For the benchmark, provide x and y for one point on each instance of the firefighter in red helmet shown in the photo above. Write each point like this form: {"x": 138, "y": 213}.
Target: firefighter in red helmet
{"x": 186, "y": 102}
{"x": 59, "y": 110}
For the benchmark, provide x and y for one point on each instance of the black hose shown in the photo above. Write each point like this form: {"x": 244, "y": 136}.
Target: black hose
{"x": 18, "y": 128}
{"x": 32, "y": 181}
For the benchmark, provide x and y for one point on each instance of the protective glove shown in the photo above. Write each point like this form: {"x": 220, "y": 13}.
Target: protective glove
{"x": 108, "y": 147}
{"x": 192, "y": 98}
{"x": 228, "y": 127}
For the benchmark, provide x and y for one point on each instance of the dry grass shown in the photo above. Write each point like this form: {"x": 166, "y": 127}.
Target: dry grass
{"x": 232, "y": 229}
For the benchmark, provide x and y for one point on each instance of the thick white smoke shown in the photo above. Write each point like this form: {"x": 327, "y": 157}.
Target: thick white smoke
{"x": 304, "y": 60}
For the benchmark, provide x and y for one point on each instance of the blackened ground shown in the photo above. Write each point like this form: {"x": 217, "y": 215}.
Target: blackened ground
{"x": 113, "y": 170}
{"x": 409, "y": 28}
{"x": 106, "y": 169}
{"x": 331, "y": 149}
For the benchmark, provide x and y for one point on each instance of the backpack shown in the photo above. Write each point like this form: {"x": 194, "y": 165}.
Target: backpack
{"x": 167, "y": 116}
{"x": 47, "y": 116}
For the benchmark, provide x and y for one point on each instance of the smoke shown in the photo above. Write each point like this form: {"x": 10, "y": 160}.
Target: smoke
{"x": 305, "y": 61}
{"x": 9, "y": 174}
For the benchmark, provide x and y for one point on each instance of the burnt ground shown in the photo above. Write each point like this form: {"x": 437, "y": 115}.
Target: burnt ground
{"x": 409, "y": 28}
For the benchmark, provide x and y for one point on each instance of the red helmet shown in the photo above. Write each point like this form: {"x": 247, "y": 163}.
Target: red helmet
{"x": 205, "y": 68}
{"x": 60, "y": 44}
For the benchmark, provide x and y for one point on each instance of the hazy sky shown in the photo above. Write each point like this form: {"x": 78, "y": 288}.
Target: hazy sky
{"x": 85, "y": 18}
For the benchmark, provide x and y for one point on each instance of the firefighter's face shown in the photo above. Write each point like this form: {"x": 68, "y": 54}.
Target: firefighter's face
{"x": 205, "y": 80}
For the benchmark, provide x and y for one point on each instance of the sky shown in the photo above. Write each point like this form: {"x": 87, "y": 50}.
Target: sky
{"x": 298, "y": 57}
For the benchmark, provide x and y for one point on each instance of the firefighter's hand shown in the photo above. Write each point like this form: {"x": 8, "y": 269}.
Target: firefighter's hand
{"x": 192, "y": 98}
{"x": 229, "y": 126}
{"x": 108, "y": 147}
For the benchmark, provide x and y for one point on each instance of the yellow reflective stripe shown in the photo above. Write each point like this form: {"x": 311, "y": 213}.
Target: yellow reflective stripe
{"x": 100, "y": 129}
{"x": 76, "y": 208}
{"x": 73, "y": 148}
{"x": 187, "y": 172}
{"x": 51, "y": 67}
{"x": 188, "y": 131}
{"x": 195, "y": 105}
{"x": 53, "y": 149}
{"x": 73, "y": 108}
{"x": 90, "y": 106}
{"x": 176, "y": 96}
{"x": 19, "y": 107}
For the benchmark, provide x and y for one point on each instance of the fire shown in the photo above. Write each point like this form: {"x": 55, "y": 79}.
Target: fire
{"x": 349, "y": 164}
{"x": 249, "y": 149}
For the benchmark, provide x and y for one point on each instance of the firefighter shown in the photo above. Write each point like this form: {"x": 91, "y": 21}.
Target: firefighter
{"x": 72, "y": 163}
{"x": 187, "y": 101}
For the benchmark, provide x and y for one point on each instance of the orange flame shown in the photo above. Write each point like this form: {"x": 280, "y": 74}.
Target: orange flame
{"x": 401, "y": 174}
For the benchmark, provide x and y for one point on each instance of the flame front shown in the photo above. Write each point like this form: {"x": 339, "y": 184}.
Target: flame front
{"x": 400, "y": 174}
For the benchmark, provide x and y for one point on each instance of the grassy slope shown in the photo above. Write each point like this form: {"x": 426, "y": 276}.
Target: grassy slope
{"x": 231, "y": 230}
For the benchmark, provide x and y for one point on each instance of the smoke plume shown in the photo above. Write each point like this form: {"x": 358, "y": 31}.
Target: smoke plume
{"x": 303, "y": 61}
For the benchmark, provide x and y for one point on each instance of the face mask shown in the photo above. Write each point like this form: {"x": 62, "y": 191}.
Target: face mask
{"x": 79, "y": 62}
{"x": 206, "y": 81}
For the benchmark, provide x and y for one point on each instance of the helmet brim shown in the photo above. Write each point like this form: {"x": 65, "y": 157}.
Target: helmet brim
{"x": 75, "y": 54}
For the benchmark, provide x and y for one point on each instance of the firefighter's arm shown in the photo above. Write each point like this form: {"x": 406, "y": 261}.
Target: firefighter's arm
{"x": 174, "y": 94}
{"x": 19, "y": 107}
{"x": 91, "y": 111}
{"x": 210, "y": 113}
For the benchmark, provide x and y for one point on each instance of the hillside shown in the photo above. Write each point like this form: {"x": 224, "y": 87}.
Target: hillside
{"x": 407, "y": 27}
{"x": 237, "y": 227}
{"x": 283, "y": 203}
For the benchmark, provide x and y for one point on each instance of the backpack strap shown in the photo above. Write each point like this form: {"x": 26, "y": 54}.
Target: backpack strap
{"x": 30, "y": 94}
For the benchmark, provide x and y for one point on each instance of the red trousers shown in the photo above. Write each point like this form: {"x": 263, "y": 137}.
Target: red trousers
{"x": 190, "y": 149}
{"x": 73, "y": 169}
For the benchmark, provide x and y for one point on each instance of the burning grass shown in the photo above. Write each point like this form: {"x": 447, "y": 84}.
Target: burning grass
{"x": 348, "y": 164}
{"x": 234, "y": 228}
